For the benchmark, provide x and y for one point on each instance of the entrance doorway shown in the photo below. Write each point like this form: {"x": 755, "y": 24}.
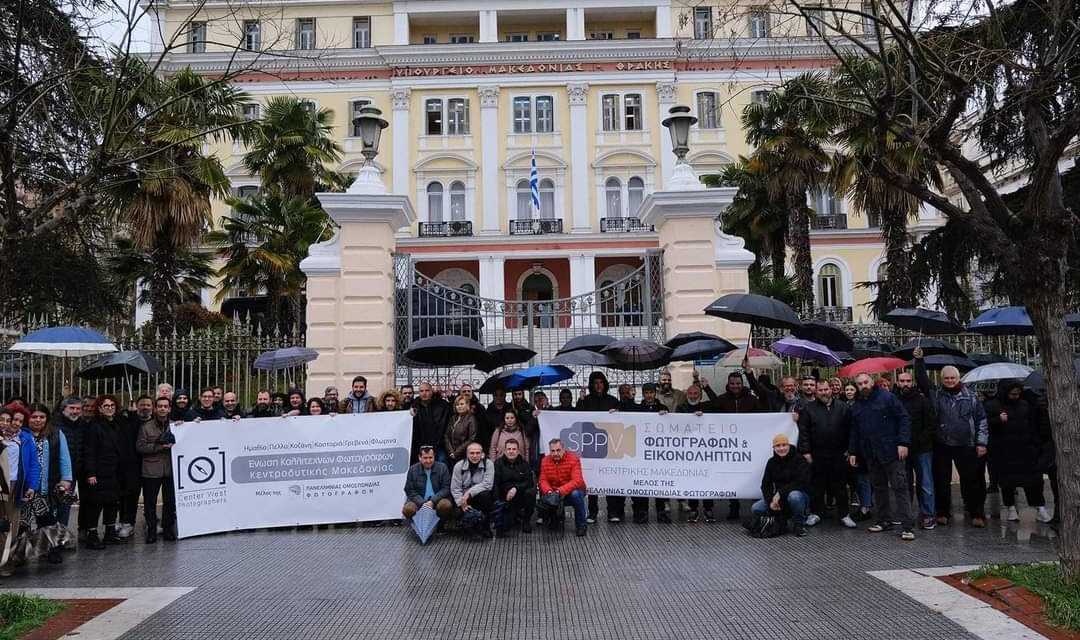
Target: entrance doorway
{"x": 537, "y": 287}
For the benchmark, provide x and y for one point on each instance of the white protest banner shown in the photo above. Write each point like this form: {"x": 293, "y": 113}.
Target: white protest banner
{"x": 272, "y": 472}
{"x": 675, "y": 455}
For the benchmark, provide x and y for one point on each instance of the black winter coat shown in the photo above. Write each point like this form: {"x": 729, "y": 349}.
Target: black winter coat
{"x": 213, "y": 413}
{"x": 513, "y": 474}
{"x": 923, "y": 420}
{"x": 597, "y": 402}
{"x": 1015, "y": 444}
{"x": 784, "y": 475}
{"x": 74, "y": 432}
{"x": 824, "y": 430}
{"x": 729, "y": 402}
{"x": 429, "y": 424}
{"x": 490, "y": 420}
{"x": 107, "y": 456}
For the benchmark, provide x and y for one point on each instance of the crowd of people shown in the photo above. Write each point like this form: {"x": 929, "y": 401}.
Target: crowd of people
{"x": 867, "y": 449}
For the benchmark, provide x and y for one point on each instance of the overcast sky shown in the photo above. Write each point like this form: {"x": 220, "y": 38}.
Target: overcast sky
{"x": 110, "y": 26}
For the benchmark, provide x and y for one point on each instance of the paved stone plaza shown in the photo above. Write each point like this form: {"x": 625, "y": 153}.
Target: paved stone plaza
{"x": 621, "y": 582}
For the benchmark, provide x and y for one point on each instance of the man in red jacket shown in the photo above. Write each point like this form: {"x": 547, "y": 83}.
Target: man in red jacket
{"x": 561, "y": 482}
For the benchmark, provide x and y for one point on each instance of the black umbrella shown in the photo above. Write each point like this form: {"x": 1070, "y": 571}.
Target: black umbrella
{"x": 935, "y": 363}
{"x": 754, "y": 310}
{"x": 502, "y": 355}
{"x": 845, "y": 356}
{"x": 825, "y": 333}
{"x": 1037, "y": 380}
{"x": 582, "y": 358}
{"x": 636, "y": 354}
{"x": 871, "y": 348}
{"x": 120, "y": 364}
{"x": 497, "y": 380}
{"x": 447, "y": 351}
{"x": 1072, "y": 320}
{"x": 922, "y": 321}
{"x": 692, "y": 336}
{"x": 701, "y": 349}
{"x": 589, "y": 342}
{"x": 930, "y": 347}
{"x": 988, "y": 358}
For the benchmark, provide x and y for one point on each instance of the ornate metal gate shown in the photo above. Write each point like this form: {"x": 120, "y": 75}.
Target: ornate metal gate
{"x": 629, "y": 307}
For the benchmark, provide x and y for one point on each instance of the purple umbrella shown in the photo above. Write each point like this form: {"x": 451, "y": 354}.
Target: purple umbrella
{"x": 792, "y": 347}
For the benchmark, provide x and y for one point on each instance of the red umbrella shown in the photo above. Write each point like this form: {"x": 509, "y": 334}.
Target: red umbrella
{"x": 871, "y": 365}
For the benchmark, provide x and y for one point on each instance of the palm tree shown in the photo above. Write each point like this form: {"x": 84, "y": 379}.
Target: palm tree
{"x": 166, "y": 276}
{"x": 754, "y": 217}
{"x": 293, "y": 146}
{"x": 262, "y": 244}
{"x": 790, "y": 136}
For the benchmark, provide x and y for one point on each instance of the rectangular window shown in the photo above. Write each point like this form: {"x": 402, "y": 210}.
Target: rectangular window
{"x": 825, "y": 203}
{"x": 602, "y": 35}
{"x": 611, "y": 112}
{"x": 457, "y": 117}
{"x": 252, "y": 35}
{"x": 461, "y": 38}
{"x": 869, "y": 23}
{"x": 633, "y": 35}
{"x": 251, "y": 111}
{"x": 548, "y": 36}
{"x": 706, "y": 109}
{"x": 356, "y": 106}
{"x": 434, "y": 113}
{"x": 759, "y": 23}
{"x": 517, "y": 37}
{"x": 429, "y": 39}
{"x": 197, "y": 37}
{"x": 361, "y": 32}
{"x": 545, "y": 114}
{"x": 632, "y": 104}
{"x": 815, "y": 21}
{"x": 305, "y": 33}
{"x": 522, "y": 115}
{"x": 760, "y": 96}
{"x": 703, "y": 23}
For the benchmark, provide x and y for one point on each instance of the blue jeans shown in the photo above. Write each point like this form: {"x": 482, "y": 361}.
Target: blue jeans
{"x": 576, "y": 499}
{"x": 864, "y": 489}
{"x": 797, "y": 503}
{"x": 921, "y": 465}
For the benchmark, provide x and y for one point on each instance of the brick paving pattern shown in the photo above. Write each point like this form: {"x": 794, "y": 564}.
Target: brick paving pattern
{"x": 622, "y": 581}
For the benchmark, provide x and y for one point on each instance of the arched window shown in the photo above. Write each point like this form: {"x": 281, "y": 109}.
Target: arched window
{"x": 882, "y": 272}
{"x": 547, "y": 199}
{"x": 435, "y": 202}
{"x": 457, "y": 200}
{"x": 635, "y": 190}
{"x": 829, "y": 286}
{"x": 613, "y": 197}
{"x": 524, "y": 200}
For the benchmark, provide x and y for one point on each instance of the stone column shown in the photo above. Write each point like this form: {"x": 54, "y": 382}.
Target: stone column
{"x": 575, "y": 23}
{"x": 665, "y": 98}
{"x": 400, "y": 135}
{"x": 492, "y": 277}
{"x": 350, "y": 288}
{"x": 579, "y": 156}
{"x": 401, "y": 27}
{"x": 489, "y": 25}
{"x": 582, "y": 281}
{"x": 489, "y": 160}
{"x": 663, "y": 20}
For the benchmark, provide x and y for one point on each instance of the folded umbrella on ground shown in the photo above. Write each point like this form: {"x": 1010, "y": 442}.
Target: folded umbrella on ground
{"x": 424, "y": 523}
{"x": 930, "y": 347}
{"x": 825, "y": 333}
{"x": 923, "y": 321}
{"x": 996, "y": 371}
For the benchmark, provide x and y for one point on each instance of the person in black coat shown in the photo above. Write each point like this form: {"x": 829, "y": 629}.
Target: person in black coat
{"x": 70, "y": 421}
{"x": 492, "y": 417}
{"x": 639, "y": 505}
{"x": 598, "y": 399}
{"x": 132, "y": 470}
{"x": 920, "y": 461}
{"x": 824, "y": 434}
{"x": 106, "y": 457}
{"x": 431, "y": 416}
{"x": 785, "y": 485}
{"x": 515, "y": 490}
{"x": 1014, "y": 449}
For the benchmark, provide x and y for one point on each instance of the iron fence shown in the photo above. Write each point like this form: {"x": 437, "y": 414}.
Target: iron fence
{"x": 192, "y": 360}
{"x": 630, "y": 307}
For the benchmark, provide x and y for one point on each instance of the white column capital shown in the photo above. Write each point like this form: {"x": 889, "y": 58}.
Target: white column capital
{"x": 400, "y": 97}
{"x": 578, "y": 92}
{"x": 665, "y": 92}
{"x": 489, "y": 96}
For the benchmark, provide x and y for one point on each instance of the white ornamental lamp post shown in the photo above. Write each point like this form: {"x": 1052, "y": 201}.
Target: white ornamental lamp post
{"x": 678, "y": 125}
{"x": 368, "y": 181}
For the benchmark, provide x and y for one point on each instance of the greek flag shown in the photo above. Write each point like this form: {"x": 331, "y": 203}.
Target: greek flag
{"x": 534, "y": 183}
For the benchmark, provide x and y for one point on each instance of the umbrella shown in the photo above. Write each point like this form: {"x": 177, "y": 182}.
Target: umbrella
{"x": 759, "y": 359}
{"x": 826, "y": 334}
{"x": 987, "y": 358}
{"x": 66, "y": 342}
{"x": 805, "y": 350}
{"x": 636, "y": 354}
{"x": 500, "y": 379}
{"x": 588, "y": 342}
{"x": 447, "y": 351}
{"x": 921, "y": 320}
{"x": 693, "y": 336}
{"x": 286, "y": 358}
{"x": 582, "y": 358}
{"x": 120, "y": 364}
{"x": 1072, "y": 320}
{"x": 701, "y": 349}
{"x": 930, "y": 347}
{"x": 539, "y": 376}
{"x": 997, "y": 371}
{"x": 1003, "y": 321}
{"x": 871, "y": 366}
{"x": 941, "y": 361}
{"x": 844, "y": 356}
{"x": 755, "y": 310}
{"x": 1037, "y": 382}
{"x": 424, "y": 523}
{"x": 501, "y": 355}
{"x": 871, "y": 348}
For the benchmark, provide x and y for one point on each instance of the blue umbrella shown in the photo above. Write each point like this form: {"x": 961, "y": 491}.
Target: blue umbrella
{"x": 539, "y": 376}
{"x": 424, "y": 523}
{"x": 285, "y": 358}
{"x": 1003, "y": 321}
{"x": 66, "y": 342}
{"x": 805, "y": 350}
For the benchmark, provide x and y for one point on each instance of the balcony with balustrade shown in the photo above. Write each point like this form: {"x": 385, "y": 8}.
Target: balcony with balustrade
{"x": 624, "y": 225}
{"x": 833, "y": 314}
{"x": 450, "y": 229}
{"x": 535, "y": 227}
{"x": 829, "y": 222}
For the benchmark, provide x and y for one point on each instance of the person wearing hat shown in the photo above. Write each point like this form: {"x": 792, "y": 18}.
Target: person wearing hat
{"x": 785, "y": 485}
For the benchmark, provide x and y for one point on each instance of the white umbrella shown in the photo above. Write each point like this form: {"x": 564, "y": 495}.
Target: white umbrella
{"x": 65, "y": 342}
{"x": 996, "y": 371}
{"x": 759, "y": 359}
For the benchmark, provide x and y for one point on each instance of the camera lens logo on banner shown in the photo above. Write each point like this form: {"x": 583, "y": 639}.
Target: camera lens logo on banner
{"x": 611, "y": 440}
{"x": 202, "y": 471}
